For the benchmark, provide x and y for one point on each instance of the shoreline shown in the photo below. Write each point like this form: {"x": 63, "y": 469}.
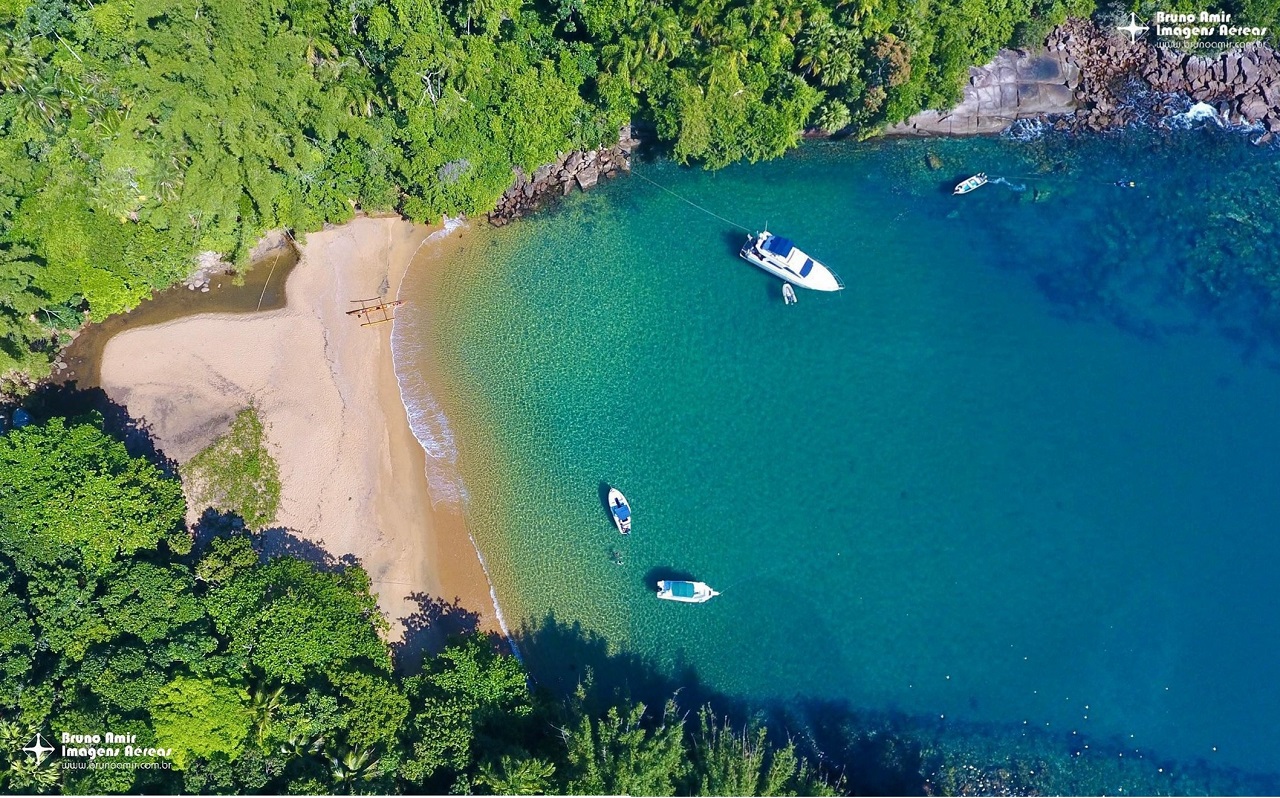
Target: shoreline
{"x": 330, "y": 398}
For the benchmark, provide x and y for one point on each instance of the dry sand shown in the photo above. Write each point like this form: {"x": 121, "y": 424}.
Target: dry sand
{"x": 351, "y": 471}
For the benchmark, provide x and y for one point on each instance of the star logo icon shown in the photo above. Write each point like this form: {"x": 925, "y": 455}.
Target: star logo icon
{"x": 39, "y": 748}
{"x": 1133, "y": 28}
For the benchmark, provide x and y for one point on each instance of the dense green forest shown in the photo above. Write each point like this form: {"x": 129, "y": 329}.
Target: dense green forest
{"x": 134, "y": 135}
{"x": 272, "y": 676}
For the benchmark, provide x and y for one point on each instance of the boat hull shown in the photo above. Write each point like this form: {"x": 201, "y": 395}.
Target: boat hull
{"x": 685, "y": 592}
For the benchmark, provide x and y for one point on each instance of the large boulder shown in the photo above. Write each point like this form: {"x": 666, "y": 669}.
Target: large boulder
{"x": 588, "y": 177}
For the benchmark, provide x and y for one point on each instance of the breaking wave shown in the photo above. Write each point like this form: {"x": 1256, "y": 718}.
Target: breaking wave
{"x": 429, "y": 423}
{"x": 1027, "y": 129}
{"x": 426, "y": 417}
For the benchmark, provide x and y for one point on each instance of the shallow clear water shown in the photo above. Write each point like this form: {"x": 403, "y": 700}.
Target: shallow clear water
{"x": 1019, "y": 471}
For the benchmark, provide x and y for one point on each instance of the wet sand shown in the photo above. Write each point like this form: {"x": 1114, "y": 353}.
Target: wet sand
{"x": 352, "y": 473}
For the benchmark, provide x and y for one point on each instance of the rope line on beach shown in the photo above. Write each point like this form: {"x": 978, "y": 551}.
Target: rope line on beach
{"x": 691, "y": 202}
{"x": 276, "y": 260}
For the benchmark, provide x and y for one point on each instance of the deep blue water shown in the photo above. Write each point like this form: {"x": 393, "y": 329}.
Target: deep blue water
{"x": 1023, "y": 470}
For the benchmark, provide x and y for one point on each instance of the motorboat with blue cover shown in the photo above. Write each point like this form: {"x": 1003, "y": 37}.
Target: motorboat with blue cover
{"x": 620, "y": 511}
{"x": 687, "y": 592}
{"x": 781, "y": 258}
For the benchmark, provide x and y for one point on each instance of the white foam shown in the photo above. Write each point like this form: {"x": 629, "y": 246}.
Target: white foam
{"x": 1200, "y": 111}
{"x": 431, "y": 428}
{"x": 1013, "y": 186}
{"x": 1027, "y": 129}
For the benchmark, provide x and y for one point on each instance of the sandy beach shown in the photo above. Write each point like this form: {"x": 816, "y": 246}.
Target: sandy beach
{"x": 352, "y": 474}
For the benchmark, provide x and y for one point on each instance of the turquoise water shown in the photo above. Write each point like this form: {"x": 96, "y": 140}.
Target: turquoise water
{"x": 1024, "y": 470}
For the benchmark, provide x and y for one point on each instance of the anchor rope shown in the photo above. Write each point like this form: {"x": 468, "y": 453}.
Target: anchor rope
{"x": 691, "y": 202}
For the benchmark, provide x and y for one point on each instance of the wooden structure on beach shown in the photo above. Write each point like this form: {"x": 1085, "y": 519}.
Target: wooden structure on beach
{"x": 375, "y": 311}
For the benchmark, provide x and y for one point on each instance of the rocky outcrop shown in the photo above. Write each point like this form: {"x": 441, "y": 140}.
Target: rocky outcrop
{"x": 1242, "y": 84}
{"x": 1091, "y": 78}
{"x": 1016, "y": 85}
{"x": 582, "y": 169}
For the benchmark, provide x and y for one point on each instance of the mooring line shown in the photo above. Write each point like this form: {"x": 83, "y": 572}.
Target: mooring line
{"x": 691, "y": 202}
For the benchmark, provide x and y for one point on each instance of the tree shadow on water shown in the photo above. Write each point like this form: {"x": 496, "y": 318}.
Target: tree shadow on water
{"x": 876, "y": 751}
{"x": 563, "y": 657}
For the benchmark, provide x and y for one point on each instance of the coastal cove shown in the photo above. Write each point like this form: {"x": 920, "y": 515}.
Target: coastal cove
{"x": 1013, "y": 475}
{"x": 352, "y": 475}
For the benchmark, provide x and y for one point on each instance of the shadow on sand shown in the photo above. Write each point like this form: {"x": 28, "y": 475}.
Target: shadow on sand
{"x": 68, "y": 401}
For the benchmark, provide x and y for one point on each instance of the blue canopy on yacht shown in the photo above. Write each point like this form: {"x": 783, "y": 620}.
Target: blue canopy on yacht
{"x": 622, "y": 511}
{"x": 681, "y": 589}
{"x": 779, "y": 246}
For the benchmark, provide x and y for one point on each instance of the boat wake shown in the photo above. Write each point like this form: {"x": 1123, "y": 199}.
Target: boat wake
{"x": 1012, "y": 186}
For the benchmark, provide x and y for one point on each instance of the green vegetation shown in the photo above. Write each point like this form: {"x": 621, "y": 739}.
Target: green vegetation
{"x": 272, "y": 676}
{"x": 134, "y": 135}
{"x": 236, "y": 473}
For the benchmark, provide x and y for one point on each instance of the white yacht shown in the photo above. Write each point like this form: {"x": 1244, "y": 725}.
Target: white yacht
{"x": 781, "y": 258}
{"x": 688, "y": 592}
{"x": 620, "y": 511}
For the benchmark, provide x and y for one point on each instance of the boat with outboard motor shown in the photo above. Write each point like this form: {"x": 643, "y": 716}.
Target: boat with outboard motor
{"x": 788, "y": 294}
{"x": 620, "y": 511}
{"x": 687, "y": 592}
{"x": 781, "y": 258}
{"x": 965, "y": 186}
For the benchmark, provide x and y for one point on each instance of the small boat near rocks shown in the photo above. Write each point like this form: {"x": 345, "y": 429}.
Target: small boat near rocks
{"x": 620, "y": 511}
{"x": 977, "y": 181}
{"x": 687, "y": 592}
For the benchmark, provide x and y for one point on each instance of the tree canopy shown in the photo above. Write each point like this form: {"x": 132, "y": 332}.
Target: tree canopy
{"x": 259, "y": 675}
{"x": 134, "y": 135}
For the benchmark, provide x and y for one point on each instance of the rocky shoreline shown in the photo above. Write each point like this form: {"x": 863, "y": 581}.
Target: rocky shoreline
{"x": 1090, "y": 78}
{"x": 581, "y": 169}
{"x": 1242, "y": 84}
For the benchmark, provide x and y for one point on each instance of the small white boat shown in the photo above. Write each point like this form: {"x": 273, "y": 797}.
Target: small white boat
{"x": 788, "y": 294}
{"x": 687, "y": 592}
{"x": 781, "y": 258}
{"x": 977, "y": 181}
{"x": 620, "y": 511}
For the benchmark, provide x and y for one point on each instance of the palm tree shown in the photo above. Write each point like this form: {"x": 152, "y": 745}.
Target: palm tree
{"x": 77, "y": 92}
{"x": 530, "y": 776}
{"x": 625, "y": 59}
{"x": 706, "y": 16}
{"x": 352, "y": 765}
{"x": 824, "y": 52}
{"x": 264, "y": 702}
{"x": 16, "y": 64}
{"x": 363, "y": 98}
{"x": 298, "y": 745}
{"x": 663, "y": 35}
{"x": 39, "y": 101}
